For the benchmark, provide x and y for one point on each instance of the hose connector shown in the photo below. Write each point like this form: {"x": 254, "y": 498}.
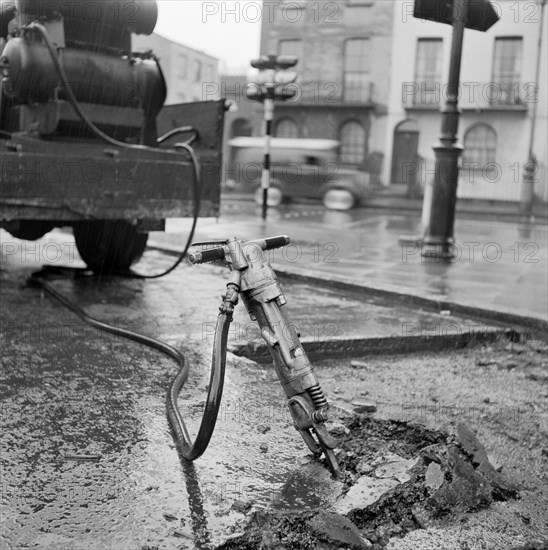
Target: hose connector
{"x": 230, "y": 298}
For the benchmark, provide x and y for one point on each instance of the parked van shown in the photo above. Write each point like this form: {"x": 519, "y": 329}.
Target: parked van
{"x": 306, "y": 168}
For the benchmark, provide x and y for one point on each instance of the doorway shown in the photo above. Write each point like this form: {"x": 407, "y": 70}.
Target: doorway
{"x": 405, "y": 156}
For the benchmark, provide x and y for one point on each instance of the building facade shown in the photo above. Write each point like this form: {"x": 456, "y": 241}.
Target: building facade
{"x": 191, "y": 75}
{"x": 243, "y": 118}
{"x": 344, "y": 51}
{"x": 499, "y": 97}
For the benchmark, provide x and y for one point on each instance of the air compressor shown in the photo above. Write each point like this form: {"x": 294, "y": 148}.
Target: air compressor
{"x": 79, "y": 136}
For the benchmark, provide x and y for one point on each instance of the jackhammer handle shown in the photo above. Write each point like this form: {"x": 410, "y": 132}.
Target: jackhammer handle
{"x": 274, "y": 242}
{"x": 206, "y": 255}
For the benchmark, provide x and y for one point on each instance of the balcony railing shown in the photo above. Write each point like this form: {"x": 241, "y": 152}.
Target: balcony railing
{"x": 508, "y": 93}
{"x": 472, "y": 95}
{"x": 358, "y": 92}
{"x": 331, "y": 93}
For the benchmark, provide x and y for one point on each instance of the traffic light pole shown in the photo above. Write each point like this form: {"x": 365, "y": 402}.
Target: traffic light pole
{"x": 268, "y": 107}
{"x": 440, "y": 199}
{"x": 271, "y": 75}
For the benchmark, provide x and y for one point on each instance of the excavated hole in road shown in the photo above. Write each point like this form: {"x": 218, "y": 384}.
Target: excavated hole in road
{"x": 398, "y": 477}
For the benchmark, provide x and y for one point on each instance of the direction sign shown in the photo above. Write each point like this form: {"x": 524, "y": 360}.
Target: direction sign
{"x": 480, "y": 17}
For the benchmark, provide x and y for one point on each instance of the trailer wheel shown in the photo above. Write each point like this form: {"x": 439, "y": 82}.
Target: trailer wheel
{"x": 28, "y": 230}
{"x": 109, "y": 246}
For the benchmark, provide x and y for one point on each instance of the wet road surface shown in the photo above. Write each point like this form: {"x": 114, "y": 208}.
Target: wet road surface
{"x": 87, "y": 457}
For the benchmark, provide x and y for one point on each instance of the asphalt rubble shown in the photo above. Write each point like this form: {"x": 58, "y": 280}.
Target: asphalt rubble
{"x": 398, "y": 477}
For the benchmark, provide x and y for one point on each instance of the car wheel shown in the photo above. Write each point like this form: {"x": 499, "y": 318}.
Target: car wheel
{"x": 274, "y": 196}
{"x": 339, "y": 199}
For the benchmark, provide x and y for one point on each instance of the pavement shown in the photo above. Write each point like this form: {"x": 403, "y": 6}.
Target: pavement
{"x": 396, "y": 197}
{"x": 499, "y": 271}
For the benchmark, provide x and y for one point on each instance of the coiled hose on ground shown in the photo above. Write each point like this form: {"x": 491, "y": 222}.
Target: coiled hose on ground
{"x": 189, "y": 450}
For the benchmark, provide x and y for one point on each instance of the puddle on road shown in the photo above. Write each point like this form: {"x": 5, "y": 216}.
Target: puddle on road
{"x": 309, "y": 488}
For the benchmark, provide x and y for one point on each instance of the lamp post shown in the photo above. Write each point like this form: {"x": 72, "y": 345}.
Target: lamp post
{"x": 438, "y": 240}
{"x": 440, "y": 199}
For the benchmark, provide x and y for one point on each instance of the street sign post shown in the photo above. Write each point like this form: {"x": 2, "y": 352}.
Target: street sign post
{"x": 480, "y": 15}
{"x": 440, "y": 199}
{"x": 271, "y": 86}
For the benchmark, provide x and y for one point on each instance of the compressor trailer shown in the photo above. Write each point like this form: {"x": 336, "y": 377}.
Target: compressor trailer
{"x": 84, "y": 141}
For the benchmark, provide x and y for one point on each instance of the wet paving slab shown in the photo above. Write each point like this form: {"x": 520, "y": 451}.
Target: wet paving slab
{"x": 87, "y": 458}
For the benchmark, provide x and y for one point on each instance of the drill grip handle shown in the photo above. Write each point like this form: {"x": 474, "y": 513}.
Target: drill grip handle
{"x": 274, "y": 242}
{"x": 206, "y": 255}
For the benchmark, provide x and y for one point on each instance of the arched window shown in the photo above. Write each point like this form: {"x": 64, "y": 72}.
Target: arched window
{"x": 480, "y": 148}
{"x": 241, "y": 127}
{"x": 286, "y": 128}
{"x": 352, "y": 137}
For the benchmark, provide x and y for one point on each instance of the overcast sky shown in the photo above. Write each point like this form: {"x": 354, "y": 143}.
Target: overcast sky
{"x": 228, "y": 30}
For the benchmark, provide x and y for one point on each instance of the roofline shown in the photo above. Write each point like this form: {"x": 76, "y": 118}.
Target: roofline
{"x": 185, "y": 46}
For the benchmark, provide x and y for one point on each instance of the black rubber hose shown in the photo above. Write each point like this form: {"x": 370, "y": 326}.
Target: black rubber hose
{"x": 187, "y": 449}
{"x": 197, "y": 205}
{"x": 215, "y": 393}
